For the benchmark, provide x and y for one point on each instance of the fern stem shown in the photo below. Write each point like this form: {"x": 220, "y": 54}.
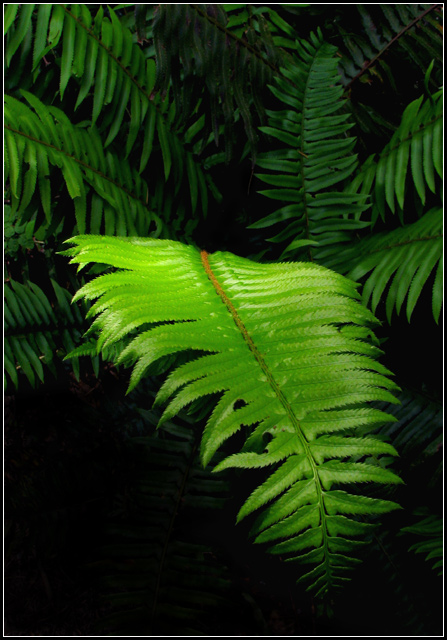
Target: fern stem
{"x": 240, "y": 41}
{"x": 396, "y": 37}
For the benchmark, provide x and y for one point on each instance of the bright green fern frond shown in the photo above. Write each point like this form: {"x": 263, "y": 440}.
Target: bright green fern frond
{"x": 287, "y": 349}
{"x": 316, "y": 157}
{"x": 404, "y": 259}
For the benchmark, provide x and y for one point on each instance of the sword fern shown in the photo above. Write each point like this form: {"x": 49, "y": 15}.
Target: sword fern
{"x": 286, "y": 350}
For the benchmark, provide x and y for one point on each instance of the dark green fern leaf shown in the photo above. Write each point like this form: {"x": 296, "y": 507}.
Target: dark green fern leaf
{"x": 213, "y": 58}
{"x": 401, "y": 263}
{"x": 99, "y": 57}
{"x": 288, "y": 349}
{"x": 45, "y": 137}
{"x": 36, "y": 330}
{"x": 317, "y": 156}
{"x": 430, "y": 529}
{"x": 413, "y": 155}
{"x": 378, "y": 30}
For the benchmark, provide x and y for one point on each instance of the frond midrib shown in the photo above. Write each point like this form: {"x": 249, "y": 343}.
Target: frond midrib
{"x": 279, "y": 395}
{"x": 404, "y": 29}
{"x": 402, "y": 243}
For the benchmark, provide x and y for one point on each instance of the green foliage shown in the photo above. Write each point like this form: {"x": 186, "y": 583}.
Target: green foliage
{"x": 416, "y": 433}
{"x": 315, "y": 159}
{"x": 404, "y": 259}
{"x": 430, "y": 529}
{"x": 34, "y": 329}
{"x": 99, "y": 55}
{"x": 381, "y": 31}
{"x": 416, "y": 145}
{"x": 296, "y": 403}
{"x": 17, "y": 236}
{"x": 77, "y": 93}
{"x": 218, "y": 60}
{"x": 44, "y": 136}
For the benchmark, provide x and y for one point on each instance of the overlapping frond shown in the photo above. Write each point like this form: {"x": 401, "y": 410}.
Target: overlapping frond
{"x": 412, "y": 29}
{"x": 35, "y": 330}
{"x": 288, "y": 350}
{"x": 100, "y": 59}
{"x": 316, "y": 157}
{"x": 413, "y": 157}
{"x": 400, "y": 264}
{"x": 99, "y": 182}
{"x": 219, "y": 59}
{"x": 417, "y": 434}
{"x": 98, "y": 51}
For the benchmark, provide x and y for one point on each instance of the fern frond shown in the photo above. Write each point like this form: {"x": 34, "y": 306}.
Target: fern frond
{"x": 35, "y": 331}
{"x": 230, "y": 55}
{"x": 414, "y": 154}
{"x": 99, "y": 55}
{"x": 404, "y": 259}
{"x": 45, "y": 136}
{"x": 288, "y": 350}
{"x": 382, "y": 29}
{"x": 430, "y": 529}
{"x": 315, "y": 158}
